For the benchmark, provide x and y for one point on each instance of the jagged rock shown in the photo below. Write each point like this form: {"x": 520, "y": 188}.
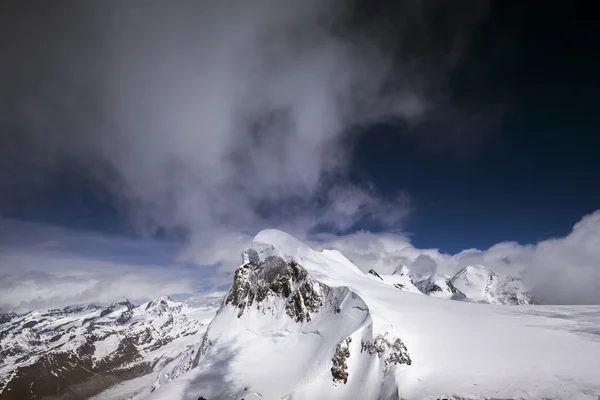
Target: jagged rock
{"x": 439, "y": 286}
{"x": 374, "y": 273}
{"x": 256, "y": 281}
{"x": 339, "y": 370}
{"x": 395, "y": 351}
{"x": 399, "y": 354}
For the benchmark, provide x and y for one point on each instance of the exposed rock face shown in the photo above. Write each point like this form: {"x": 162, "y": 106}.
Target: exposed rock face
{"x": 375, "y": 274}
{"x": 256, "y": 281}
{"x": 393, "y": 351}
{"x": 78, "y": 377}
{"x": 439, "y": 286}
{"x": 339, "y": 370}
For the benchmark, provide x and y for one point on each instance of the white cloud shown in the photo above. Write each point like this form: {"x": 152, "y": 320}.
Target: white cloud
{"x": 197, "y": 113}
{"x": 23, "y": 291}
{"x": 423, "y": 265}
{"x": 557, "y": 271}
{"x": 567, "y": 270}
{"x": 380, "y": 251}
{"x": 49, "y": 267}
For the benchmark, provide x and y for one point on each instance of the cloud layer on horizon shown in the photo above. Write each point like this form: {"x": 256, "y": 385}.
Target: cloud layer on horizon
{"x": 45, "y": 267}
{"x": 556, "y": 271}
{"x": 47, "y": 271}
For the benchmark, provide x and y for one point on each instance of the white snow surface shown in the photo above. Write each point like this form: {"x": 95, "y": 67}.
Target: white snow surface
{"x": 459, "y": 349}
{"x": 107, "y": 346}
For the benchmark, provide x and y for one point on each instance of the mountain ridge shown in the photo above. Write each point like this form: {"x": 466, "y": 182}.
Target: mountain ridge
{"x": 82, "y": 350}
{"x": 367, "y": 339}
{"x": 474, "y": 283}
{"x": 303, "y": 324}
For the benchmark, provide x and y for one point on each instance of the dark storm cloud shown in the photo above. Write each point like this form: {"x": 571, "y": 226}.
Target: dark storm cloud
{"x": 195, "y": 112}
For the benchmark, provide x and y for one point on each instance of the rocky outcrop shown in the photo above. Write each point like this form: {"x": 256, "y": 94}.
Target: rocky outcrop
{"x": 375, "y": 274}
{"x": 439, "y": 286}
{"x": 339, "y": 370}
{"x": 393, "y": 351}
{"x": 257, "y": 281}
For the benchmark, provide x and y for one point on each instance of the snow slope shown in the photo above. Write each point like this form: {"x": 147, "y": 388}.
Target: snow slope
{"x": 301, "y": 324}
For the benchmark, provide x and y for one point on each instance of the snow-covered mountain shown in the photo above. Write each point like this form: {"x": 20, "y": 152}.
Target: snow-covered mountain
{"x": 79, "y": 351}
{"x": 483, "y": 285}
{"x": 472, "y": 283}
{"x": 438, "y": 285}
{"x": 302, "y": 324}
{"x": 400, "y": 279}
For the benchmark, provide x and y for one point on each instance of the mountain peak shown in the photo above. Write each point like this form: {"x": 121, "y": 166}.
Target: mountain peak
{"x": 481, "y": 284}
{"x": 324, "y": 326}
{"x": 161, "y": 305}
{"x": 401, "y": 270}
{"x": 281, "y": 241}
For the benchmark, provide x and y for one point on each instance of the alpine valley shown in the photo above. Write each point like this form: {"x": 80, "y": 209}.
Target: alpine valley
{"x": 303, "y": 324}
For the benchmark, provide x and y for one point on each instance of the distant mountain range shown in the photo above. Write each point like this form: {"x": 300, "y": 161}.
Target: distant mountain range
{"x": 472, "y": 283}
{"x": 79, "y": 351}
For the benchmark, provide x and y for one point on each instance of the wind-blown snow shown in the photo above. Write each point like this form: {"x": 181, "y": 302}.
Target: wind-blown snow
{"x": 455, "y": 348}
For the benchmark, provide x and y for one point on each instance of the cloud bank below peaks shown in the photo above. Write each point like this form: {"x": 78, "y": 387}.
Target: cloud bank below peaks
{"x": 47, "y": 267}
{"x": 556, "y": 271}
